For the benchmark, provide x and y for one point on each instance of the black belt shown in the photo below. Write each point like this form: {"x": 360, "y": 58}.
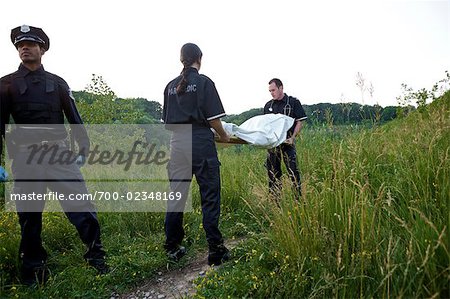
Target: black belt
{"x": 44, "y": 143}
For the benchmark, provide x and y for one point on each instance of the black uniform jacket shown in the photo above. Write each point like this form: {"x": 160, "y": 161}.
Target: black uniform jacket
{"x": 197, "y": 106}
{"x": 289, "y": 106}
{"x": 39, "y": 97}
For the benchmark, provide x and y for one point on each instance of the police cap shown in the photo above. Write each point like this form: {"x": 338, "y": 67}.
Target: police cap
{"x": 30, "y": 33}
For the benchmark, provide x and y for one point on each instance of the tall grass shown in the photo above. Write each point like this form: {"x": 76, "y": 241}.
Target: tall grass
{"x": 373, "y": 220}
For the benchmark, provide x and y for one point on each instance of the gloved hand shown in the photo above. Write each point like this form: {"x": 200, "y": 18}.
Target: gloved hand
{"x": 3, "y": 174}
{"x": 80, "y": 161}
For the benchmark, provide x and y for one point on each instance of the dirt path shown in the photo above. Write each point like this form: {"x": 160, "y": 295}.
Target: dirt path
{"x": 176, "y": 283}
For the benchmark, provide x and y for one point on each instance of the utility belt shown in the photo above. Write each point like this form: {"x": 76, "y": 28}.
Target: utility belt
{"x": 45, "y": 144}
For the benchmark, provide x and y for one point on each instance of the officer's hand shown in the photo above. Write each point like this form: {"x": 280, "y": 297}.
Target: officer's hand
{"x": 290, "y": 141}
{"x": 3, "y": 174}
{"x": 224, "y": 138}
{"x": 81, "y": 160}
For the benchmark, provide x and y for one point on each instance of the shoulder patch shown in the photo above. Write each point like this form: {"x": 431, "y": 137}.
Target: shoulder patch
{"x": 71, "y": 94}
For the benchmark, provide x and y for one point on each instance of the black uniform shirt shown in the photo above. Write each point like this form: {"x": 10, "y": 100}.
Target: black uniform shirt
{"x": 289, "y": 106}
{"x": 39, "y": 97}
{"x": 197, "y": 106}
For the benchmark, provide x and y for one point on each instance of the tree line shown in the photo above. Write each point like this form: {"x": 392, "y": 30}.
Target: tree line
{"x": 98, "y": 104}
{"x": 338, "y": 114}
{"x": 107, "y": 109}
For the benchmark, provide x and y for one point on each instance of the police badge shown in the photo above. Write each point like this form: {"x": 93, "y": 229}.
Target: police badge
{"x": 24, "y": 28}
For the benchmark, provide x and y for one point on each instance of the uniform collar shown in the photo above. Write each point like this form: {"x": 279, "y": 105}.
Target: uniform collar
{"x": 191, "y": 70}
{"x": 284, "y": 99}
{"x": 23, "y": 70}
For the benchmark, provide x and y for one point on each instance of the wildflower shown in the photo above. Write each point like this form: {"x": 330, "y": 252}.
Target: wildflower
{"x": 338, "y": 216}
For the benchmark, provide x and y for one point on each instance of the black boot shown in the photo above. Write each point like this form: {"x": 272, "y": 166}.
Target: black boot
{"x": 176, "y": 253}
{"x": 218, "y": 254}
{"x": 35, "y": 275}
{"x": 95, "y": 257}
{"x": 99, "y": 264}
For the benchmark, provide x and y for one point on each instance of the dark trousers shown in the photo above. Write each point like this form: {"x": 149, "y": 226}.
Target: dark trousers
{"x": 287, "y": 153}
{"x": 206, "y": 168}
{"x": 63, "y": 179}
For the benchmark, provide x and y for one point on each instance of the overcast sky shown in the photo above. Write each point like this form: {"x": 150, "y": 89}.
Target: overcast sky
{"x": 315, "y": 47}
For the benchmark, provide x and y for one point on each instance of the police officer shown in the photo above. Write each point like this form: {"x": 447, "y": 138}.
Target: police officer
{"x": 192, "y": 99}
{"x": 33, "y": 96}
{"x": 284, "y": 104}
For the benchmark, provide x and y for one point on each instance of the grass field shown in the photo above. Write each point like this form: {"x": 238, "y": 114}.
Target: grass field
{"x": 373, "y": 222}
